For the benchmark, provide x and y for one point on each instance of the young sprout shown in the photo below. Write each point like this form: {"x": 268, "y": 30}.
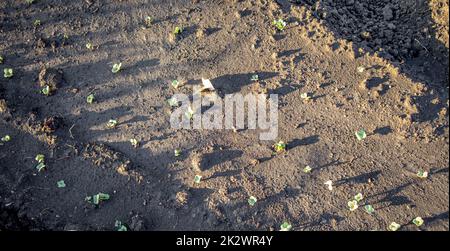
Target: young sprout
{"x": 369, "y": 209}
{"x": 279, "y": 147}
{"x": 172, "y": 102}
{"x": 252, "y": 201}
{"x": 29, "y": 1}
{"x": 134, "y": 143}
{"x": 307, "y": 169}
{"x": 8, "y": 73}
{"x": 40, "y": 167}
{"x": 394, "y": 226}
{"x": 46, "y": 90}
{"x": 361, "y": 134}
{"x": 352, "y": 205}
{"x": 360, "y": 69}
{"x": 112, "y": 123}
{"x": 197, "y": 179}
{"x": 280, "y": 24}
{"x": 116, "y": 67}
{"x": 254, "y": 77}
{"x": 329, "y": 185}
{"x": 40, "y": 158}
{"x": 89, "y": 46}
{"x": 120, "y": 227}
{"x": 1, "y": 60}
{"x": 177, "y": 152}
{"x": 418, "y": 221}
{"x": 189, "y": 113}
{"x": 96, "y": 199}
{"x": 359, "y": 197}
{"x": 90, "y": 98}
{"x": 61, "y": 184}
{"x": 422, "y": 174}
{"x": 175, "y": 83}
{"x": 305, "y": 96}
{"x": 285, "y": 226}
{"x": 37, "y": 22}
{"x": 6, "y": 138}
{"x": 148, "y": 21}
{"x": 177, "y": 31}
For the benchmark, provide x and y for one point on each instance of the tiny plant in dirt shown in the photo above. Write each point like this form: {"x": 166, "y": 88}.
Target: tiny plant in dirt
{"x": 422, "y": 174}
{"x": 352, "y": 205}
{"x": 172, "y": 102}
{"x": 96, "y": 199}
{"x": 175, "y": 84}
{"x": 360, "y": 69}
{"x": 329, "y": 185}
{"x": 285, "y": 226}
{"x": 394, "y": 226}
{"x": 61, "y": 184}
{"x": 29, "y": 1}
{"x": 116, "y": 68}
{"x": 148, "y": 21}
{"x": 8, "y": 73}
{"x": 90, "y": 98}
{"x": 37, "y": 22}
{"x": 40, "y": 167}
{"x": 252, "y": 200}
{"x": 189, "y": 113}
{"x": 307, "y": 169}
{"x": 361, "y": 134}
{"x": 177, "y": 152}
{"x": 177, "y": 31}
{"x": 112, "y": 123}
{"x": 6, "y": 138}
{"x": 280, "y": 24}
{"x": 46, "y": 90}
{"x": 254, "y": 78}
{"x": 197, "y": 179}
{"x": 1, "y": 60}
{"x": 369, "y": 209}
{"x": 279, "y": 147}
{"x": 134, "y": 143}
{"x": 418, "y": 221}
{"x": 359, "y": 197}
{"x": 305, "y": 96}
{"x": 89, "y": 46}
{"x": 120, "y": 227}
{"x": 40, "y": 158}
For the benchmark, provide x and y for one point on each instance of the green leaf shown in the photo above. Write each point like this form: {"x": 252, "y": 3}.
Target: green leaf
{"x": 352, "y": 205}
{"x": 307, "y": 169}
{"x": 134, "y": 143}
{"x": 359, "y": 197}
{"x": 422, "y": 174}
{"x": 369, "y": 209}
{"x": 40, "y": 158}
{"x": 116, "y": 67}
{"x": 172, "y": 102}
{"x": 177, "y": 152}
{"x": 280, "y": 24}
{"x": 40, "y": 167}
{"x": 252, "y": 201}
{"x": 418, "y": 221}
{"x": 394, "y": 226}
{"x": 6, "y": 138}
{"x": 8, "y": 72}
{"x": 280, "y": 146}
{"x": 61, "y": 184}
{"x": 254, "y": 77}
{"x": 197, "y": 179}
{"x": 46, "y": 90}
{"x": 1, "y": 60}
{"x": 112, "y": 123}
{"x": 90, "y": 98}
{"x": 177, "y": 31}
{"x": 361, "y": 134}
{"x": 285, "y": 226}
{"x": 175, "y": 83}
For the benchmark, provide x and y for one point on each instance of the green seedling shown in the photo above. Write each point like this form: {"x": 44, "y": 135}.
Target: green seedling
{"x": 254, "y": 78}
{"x": 175, "y": 84}
{"x": 352, "y": 205}
{"x": 29, "y": 1}
{"x": 112, "y": 123}
{"x": 280, "y": 24}
{"x": 285, "y": 226}
{"x": 197, "y": 179}
{"x": 148, "y": 21}
{"x": 361, "y": 134}
{"x": 1, "y": 60}
{"x": 40, "y": 167}
{"x": 134, "y": 143}
{"x": 8, "y": 73}
{"x": 177, "y": 152}
{"x": 252, "y": 201}
{"x": 61, "y": 184}
{"x": 37, "y": 22}
{"x": 189, "y": 113}
{"x": 394, "y": 226}
{"x": 177, "y": 31}
{"x": 329, "y": 185}
{"x": 6, "y": 138}
{"x": 90, "y": 98}
{"x": 279, "y": 147}
{"x": 307, "y": 169}
{"x": 172, "y": 102}
{"x": 360, "y": 69}
{"x": 418, "y": 221}
{"x": 422, "y": 174}
{"x": 40, "y": 158}
{"x": 116, "y": 67}
{"x": 305, "y": 96}
{"x": 89, "y": 46}
{"x": 96, "y": 199}
{"x": 120, "y": 227}
{"x": 46, "y": 90}
{"x": 369, "y": 209}
{"x": 359, "y": 197}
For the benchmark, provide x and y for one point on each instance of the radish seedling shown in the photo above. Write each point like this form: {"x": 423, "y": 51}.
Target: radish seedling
{"x": 90, "y": 98}
{"x": 254, "y": 78}
{"x": 369, "y": 209}
{"x": 96, "y": 199}
{"x": 134, "y": 143}
{"x": 89, "y": 46}
{"x": 307, "y": 169}
{"x": 148, "y": 21}
{"x": 40, "y": 158}
{"x": 40, "y": 167}
{"x": 394, "y": 226}
{"x": 8, "y": 72}
{"x": 280, "y": 24}
{"x": 37, "y": 22}
{"x": 112, "y": 123}
{"x": 422, "y": 174}
{"x": 189, "y": 113}
{"x": 252, "y": 201}
{"x": 359, "y": 197}
{"x": 279, "y": 147}
{"x": 352, "y": 205}
{"x": 172, "y": 102}
{"x": 46, "y": 90}
{"x": 305, "y": 96}
{"x": 285, "y": 226}
{"x": 177, "y": 31}
{"x": 175, "y": 83}
{"x": 197, "y": 179}
{"x": 361, "y": 134}
{"x": 29, "y": 1}
{"x": 177, "y": 152}
{"x": 418, "y": 221}
{"x": 329, "y": 185}
{"x": 116, "y": 67}
{"x": 6, "y": 138}
{"x": 61, "y": 184}
{"x": 1, "y": 60}
{"x": 120, "y": 227}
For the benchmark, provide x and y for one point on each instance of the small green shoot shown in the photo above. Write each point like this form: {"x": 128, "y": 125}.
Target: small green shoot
{"x": 361, "y": 134}
{"x": 280, "y": 147}
{"x": 360, "y": 69}
{"x": 252, "y": 201}
{"x": 175, "y": 84}
{"x": 172, "y": 102}
{"x": 116, "y": 67}
{"x": 254, "y": 78}
{"x": 90, "y": 98}
{"x": 359, "y": 197}
{"x": 46, "y": 90}
{"x": 120, "y": 227}
{"x": 177, "y": 152}
{"x": 305, "y": 96}
{"x": 90, "y": 46}
{"x": 285, "y": 227}
{"x": 148, "y": 21}
{"x": 37, "y": 22}
{"x": 352, "y": 205}
{"x": 422, "y": 174}
{"x": 134, "y": 143}
{"x": 96, "y": 199}
{"x": 177, "y": 31}
{"x": 40, "y": 158}
{"x": 189, "y": 113}
{"x": 307, "y": 169}
{"x": 61, "y": 184}
{"x": 280, "y": 24}
{"x": 8, "y": 73}
{"x": 29, "y": 1}
{"x": 6, "y": 138}
{"x": 418, "y": 221}
{"x": 394, "y": 226}
{"x": 40, "y": 167}
{"x": 369, "y": 209}
{"x": 197, "y": 179}
{"x": 329, "y": 185}
{"x": 112, "y": 123}
{"x": 1, "y": 60}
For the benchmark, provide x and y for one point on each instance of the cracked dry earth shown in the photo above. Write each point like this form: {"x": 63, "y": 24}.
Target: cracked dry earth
{"x": 374, "y": 65}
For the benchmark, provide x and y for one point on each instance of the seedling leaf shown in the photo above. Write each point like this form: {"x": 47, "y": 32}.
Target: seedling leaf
{"x": 116, "y": 67}
{"x": 361, "y": 134}
{"x": 90, "y": 98}
{"x": 369, "y": 209}
{"x": 61, "y": 184}
{"x": 197, "y": 179}
{"x": 252, "y": 201}
{"x": 394, "y": 226}
{"x": 8, "y": 73}
{"x": 40, "y": 167}
{"x": 352, "y": 205}
{"x": 285, "y": 226}
{"x": 418, "y": 221}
